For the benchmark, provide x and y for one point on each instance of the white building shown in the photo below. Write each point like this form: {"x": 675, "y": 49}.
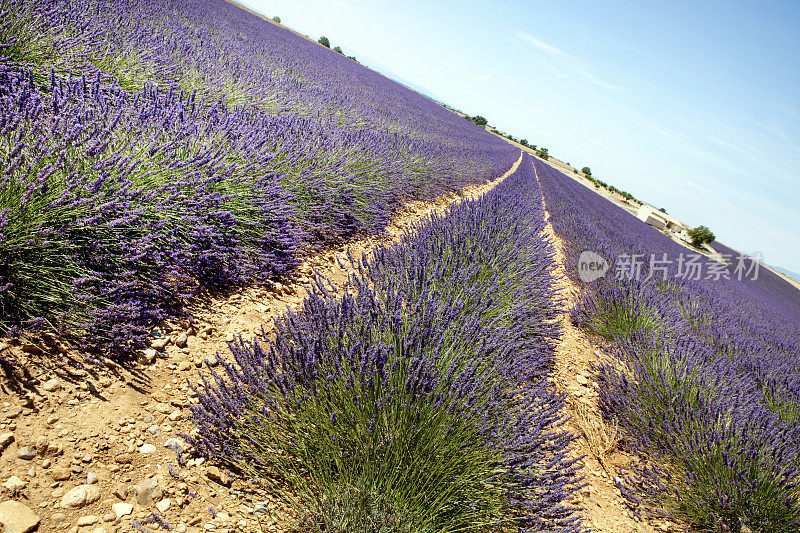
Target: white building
{"x": 662, "y": 221}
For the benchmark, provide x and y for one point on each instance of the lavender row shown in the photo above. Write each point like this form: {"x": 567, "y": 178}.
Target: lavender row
{"x": 151, "y": 150}
{"x": 708, "y": 383}
{"x": 424, "y": 382}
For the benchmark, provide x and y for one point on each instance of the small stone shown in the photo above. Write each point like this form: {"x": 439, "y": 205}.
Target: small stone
{"x": 16, "y": 517}
{"x": 159, "y": 344}
{"x": 89, "y": 520}
{"x": 46, "y": 463}
{"x": 120, "y": 491}
{"x": 5, "y": 440}
{"x": 174, "y": 445}
{"x": 147, "y": 491}
{"x": 80, "y": 496}
{"x": 163, "y": 408}
{"x": 123, "y": 458}
{"x": 581, "y": 379}
{"x": 181, "y": 340}
{"x": 745, "y": 529}
{"x": 52, "y": 385}
{"x": 26, "y": 453}
{"x": 212, "y": 360}
{"x": 122, "y": 509}
{"x": 148, "y": 356}
{"x": 14, "y": 485}
{"x": 154, "y": 430}
{"x": 163, "y": 505}
{"x": 147, "y": 449}
{"x": 14, "y": 412}
{"x": 215, "y": 474}
{"x": 183, "y": 366}
{"x": 175, "y": 415}
{"x": 91, "y": 478}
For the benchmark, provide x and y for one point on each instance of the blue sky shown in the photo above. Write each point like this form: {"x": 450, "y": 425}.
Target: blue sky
{"x": 693, "y": 106}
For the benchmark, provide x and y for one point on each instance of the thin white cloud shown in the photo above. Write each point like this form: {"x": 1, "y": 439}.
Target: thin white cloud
{"x": 480, "y": 77}
{"x": 541, "y": 45}
{"x": 568, "y": 62}
{"x": 598, "y": 81}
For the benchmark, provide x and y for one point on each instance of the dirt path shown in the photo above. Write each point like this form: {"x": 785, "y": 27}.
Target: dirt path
{"x": 92, "y": 449}
{"x": 600, "y": 501}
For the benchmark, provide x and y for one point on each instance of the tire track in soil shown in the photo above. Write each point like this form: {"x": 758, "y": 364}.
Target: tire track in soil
{"x": 601, "y": 503}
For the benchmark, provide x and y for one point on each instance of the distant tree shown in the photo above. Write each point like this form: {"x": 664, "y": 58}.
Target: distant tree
{"x": 277, "y": 19}
{"x": 533, "y": 146}
{"x": 575, "y": 170}
{"x": 523, "y": 142}
{"x": 701, "y": 235}
{"x": 353, "y": 58}
{"x": 324, "y": 41}
{"x": 587, "y": 171}
{"x": 663, "y": 210}
{"x": 338, "y": 49}
{"x": 542, "y": 152}
{"x": 479, "y": 120}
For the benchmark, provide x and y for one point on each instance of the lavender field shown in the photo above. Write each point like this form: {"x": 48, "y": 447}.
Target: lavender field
{"x": 160, "y": 153}
{"x": 707, "y": 377}
{"x": 152, "y": 150}
{"x": 423, "y": 393}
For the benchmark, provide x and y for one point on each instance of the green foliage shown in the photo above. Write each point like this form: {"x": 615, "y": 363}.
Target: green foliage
{"x": 587, "y": 171}
{"x": 478, "y": 120}
{"x": 663, "y": 210}
{"x": 352, "y": 510}
{"x": 523, "y": 142}
{"x": 701, "y": 235}
{"x": 542, "y": 153}
{"x": 338, "y": 49}
{"x": 277, "y": 19}
{"x": 324, "y": 41}
{"x": 624, "y": 317}
{"x": 765, "y": 507}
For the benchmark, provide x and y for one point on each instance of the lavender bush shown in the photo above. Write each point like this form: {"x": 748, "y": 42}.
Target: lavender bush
{"x": 708, "y": 380}
{"x": 421, "y": 391}
{"x": 154, "y": 149}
